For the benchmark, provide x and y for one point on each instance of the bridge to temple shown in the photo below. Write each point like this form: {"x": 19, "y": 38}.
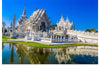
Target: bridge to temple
{"x": 88, "y": 37}
{"x": 84, "y": 36}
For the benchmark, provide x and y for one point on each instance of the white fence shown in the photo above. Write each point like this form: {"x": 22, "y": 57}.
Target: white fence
{"x": 83, "y": 34}
{"x": 64, "y": 40}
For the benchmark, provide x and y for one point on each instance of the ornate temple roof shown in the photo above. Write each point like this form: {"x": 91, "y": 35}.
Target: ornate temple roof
{"x": 62, "y": 18}
{"x": 62, "y": 21}
{"x": 24, "y": 12}
{"x": 36, "y": 15}
{"x": 23, "y": 17}
{"x": 11, "y": 24}
{"x": 65, "y": 23}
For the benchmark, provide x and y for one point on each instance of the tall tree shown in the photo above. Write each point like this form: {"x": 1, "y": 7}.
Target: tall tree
{"x": 91, "y": 30}
{"x": 53, "y": 26}
{"x": 87, "y": 30}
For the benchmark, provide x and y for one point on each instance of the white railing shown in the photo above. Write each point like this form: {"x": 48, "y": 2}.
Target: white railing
{"x": 83, "y": 34}
{"x": 48, "y": 39}
{"x": 64, "y": 40}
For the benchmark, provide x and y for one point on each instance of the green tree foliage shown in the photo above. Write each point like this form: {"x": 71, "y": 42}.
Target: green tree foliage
{"x": 53, "y": 26}
{"x": 87, "y": 30}
{"x": 91, "y": 30}
{"x": 5, "y": 30}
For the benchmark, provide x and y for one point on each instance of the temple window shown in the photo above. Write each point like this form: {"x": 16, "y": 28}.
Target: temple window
{"x": 59, "y": 28}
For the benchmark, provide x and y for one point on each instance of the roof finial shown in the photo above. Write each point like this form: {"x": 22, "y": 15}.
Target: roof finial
{"x": 36, "y": 8}
{"x": 24, "y": 6}
{"x": 11, "y": 24}
{"x": 67, "y": 17}
{"x": 62, "y": 17}
{"x": 24, "y": 12}
{"x": 72, "y": 22}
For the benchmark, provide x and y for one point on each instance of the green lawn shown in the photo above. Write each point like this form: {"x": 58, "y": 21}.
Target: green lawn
{"x": 34, "y": 44}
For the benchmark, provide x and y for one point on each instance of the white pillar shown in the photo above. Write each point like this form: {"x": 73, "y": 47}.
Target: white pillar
{"x": 53, "y": 36}
{"x": 39, "y": 27}
{"x": 58, "y": 27}
{"x": 60, "y": 37}
{"x": 64, "y": 38}
{"x": 56, "y": 37}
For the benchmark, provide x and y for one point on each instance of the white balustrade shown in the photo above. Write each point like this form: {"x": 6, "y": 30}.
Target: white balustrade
{"x": 61, "y": 40}
{"x": 83, "y": 34}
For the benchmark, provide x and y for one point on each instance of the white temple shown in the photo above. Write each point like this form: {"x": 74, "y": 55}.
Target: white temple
{"x": 38, "y": 21}
{"x": 4, "y": 24}
{"x": 38, "y": 28}
{"x": 21, "y": 22}
{"x": 64, "y": 25}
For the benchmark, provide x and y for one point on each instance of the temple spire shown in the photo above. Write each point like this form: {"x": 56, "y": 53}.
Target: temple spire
{"x": 24, "y": 12}
{"x": 67, "y": 20}
{"x": 62, "y": 18}
{"x": 11, "y": 24}
{"x": 67, "y": 17}
{"x": 72, "y": 23}
{"x": 36, "y": 8}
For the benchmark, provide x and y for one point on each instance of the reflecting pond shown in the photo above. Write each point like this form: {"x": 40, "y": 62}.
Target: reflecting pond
{"x": 20, "y": 54}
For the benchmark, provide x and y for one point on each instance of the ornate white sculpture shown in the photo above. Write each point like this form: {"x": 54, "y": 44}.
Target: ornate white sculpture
{"x": 39, "y": 20}
{"x": 4, "y": 24}
{"x": 13, "y": 34}
{"x": 21, "y": 22}
{"x": 64, "y": 24}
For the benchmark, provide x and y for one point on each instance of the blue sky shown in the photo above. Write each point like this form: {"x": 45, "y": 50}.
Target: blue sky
{"x": 83, "y": 13}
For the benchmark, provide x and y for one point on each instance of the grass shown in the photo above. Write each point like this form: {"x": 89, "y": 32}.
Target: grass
{"x": 34, "y": 44}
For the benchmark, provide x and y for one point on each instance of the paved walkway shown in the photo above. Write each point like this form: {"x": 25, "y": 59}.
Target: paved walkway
{"x": 42, "y": 42}
{"x": 48, "y": 43}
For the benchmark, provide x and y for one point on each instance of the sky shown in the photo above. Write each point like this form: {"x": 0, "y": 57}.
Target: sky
{"x": 83, "y": 13}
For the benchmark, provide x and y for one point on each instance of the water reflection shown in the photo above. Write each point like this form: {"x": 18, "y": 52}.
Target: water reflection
{"x": 67, "y": 55}
{"x": 12, "y": 54}
{"x": 2, "y": 45}
{"x": 33, "y": 55}
{"x": 61, "y": 55}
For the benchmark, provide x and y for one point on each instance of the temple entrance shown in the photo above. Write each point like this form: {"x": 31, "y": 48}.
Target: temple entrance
{"x": 42, "y": 27}
{"x": 66, "y": 37}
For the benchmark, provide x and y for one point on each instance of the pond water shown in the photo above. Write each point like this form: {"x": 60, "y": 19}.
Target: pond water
{"x": 20, "y": 54}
